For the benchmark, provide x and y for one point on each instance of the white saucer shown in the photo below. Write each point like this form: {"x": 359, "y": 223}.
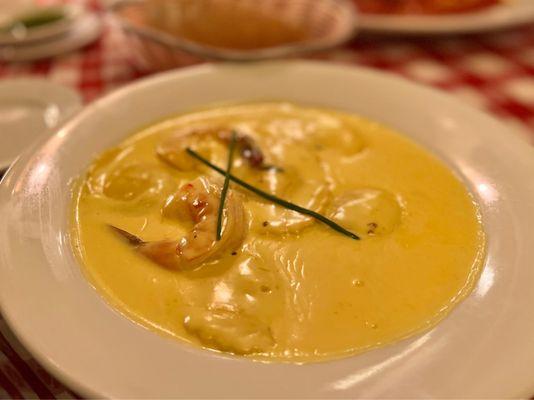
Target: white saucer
{"x": 30, "y": 109}
{"x": 84, "y": 31}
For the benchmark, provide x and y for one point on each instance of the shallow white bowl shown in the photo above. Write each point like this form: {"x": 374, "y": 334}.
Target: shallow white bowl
{"x": 485, "y": 348}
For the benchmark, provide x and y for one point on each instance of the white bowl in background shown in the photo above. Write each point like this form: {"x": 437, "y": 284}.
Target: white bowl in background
{"x": 49, "y": 31}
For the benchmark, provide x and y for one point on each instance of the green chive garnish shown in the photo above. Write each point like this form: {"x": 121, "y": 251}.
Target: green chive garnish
{"x": 274, "y": 199}
{"x": 226, "y": 184}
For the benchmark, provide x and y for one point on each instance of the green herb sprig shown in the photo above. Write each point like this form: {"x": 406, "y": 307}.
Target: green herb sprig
{"x": 224, "y": 191}
{"x": 274, "y": 199}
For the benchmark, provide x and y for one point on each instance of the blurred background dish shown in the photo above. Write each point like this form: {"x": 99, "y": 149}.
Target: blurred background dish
{"x": 169, "y": 33}
{"x": 442, "y": 17}
{"x": 86, "y": 29}
{"x": 29, "y": 109}
{"x": 428, "y": 7}
{"x": 30, "y": 23}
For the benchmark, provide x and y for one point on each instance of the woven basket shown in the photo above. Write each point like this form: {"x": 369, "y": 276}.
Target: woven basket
{"x": 153, "y": 26}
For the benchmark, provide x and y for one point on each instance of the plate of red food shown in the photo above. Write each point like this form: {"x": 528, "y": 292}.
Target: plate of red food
{"x": 434, "y": 17}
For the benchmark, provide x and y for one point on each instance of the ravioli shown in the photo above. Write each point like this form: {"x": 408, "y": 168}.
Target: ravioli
{"x": 279, "y": 285}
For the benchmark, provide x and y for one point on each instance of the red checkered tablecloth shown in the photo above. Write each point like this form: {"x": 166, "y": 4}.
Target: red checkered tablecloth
{"x": 494, "y": 72}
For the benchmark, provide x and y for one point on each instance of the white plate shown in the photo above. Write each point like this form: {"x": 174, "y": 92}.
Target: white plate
{"x": 509, "y": 14}
{"x": 29, "y": 109}
{"x": 86, "y": 30}
{"x": 44, "y": 32}
{"x": 485, "y": 348}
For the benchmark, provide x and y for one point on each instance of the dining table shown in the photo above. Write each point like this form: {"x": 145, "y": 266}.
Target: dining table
{"x": 491, "y": 71}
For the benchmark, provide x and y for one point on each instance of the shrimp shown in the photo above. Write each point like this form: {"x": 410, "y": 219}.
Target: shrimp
{"x": 197, "y": 201}
{"x": 302, "y": 181}
{"x": 290, "y": 185}
{"x": 172, "y": 150}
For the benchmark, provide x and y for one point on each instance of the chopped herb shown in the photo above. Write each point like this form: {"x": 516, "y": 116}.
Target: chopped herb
{"x": 274, "y": 199}
{"x": 226, "y": 184}
{"x": 268, "y": 167}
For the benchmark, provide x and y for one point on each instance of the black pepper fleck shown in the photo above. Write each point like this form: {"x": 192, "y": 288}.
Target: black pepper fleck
{"x": 372, "y": 228}
{"x": 265, "y": 223}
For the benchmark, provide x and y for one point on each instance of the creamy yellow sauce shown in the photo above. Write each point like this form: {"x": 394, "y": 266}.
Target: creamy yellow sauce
{"x": 292, "y": 289}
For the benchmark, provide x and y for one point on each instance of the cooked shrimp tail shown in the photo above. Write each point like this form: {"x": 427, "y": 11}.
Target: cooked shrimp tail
{"x": 197, "y": 202}
{"x": 130, "y": 238}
